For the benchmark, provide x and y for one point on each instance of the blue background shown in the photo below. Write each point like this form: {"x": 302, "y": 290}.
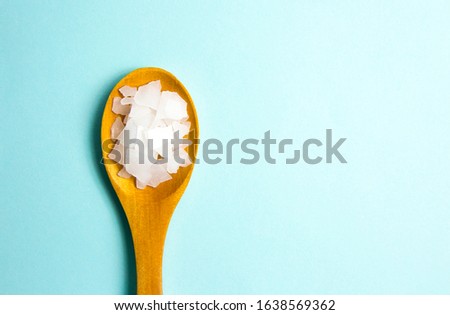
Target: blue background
{"x": 376, "y": 72}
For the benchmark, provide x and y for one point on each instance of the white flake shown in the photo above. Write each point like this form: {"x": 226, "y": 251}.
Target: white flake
{"x": 127, "y": 90}
{"x": 116, "y": 128}
{"x": 118, "y": 108}
{"x": 123, "y": 173}
{"x": 148, "y": 95}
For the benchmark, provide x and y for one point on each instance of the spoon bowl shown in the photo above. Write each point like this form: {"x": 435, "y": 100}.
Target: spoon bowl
{"x": 149, "y": 210}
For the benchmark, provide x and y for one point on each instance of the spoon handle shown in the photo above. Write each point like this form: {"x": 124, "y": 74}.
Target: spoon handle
{"x": 149, "y": 263}
{"x": 149, "y": 233}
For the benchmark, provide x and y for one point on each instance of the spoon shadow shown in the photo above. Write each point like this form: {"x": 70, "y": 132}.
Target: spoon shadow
{"x": 96, "y": 150}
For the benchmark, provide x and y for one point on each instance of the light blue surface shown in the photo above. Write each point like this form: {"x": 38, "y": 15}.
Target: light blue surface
{"x": 376, "y": 72}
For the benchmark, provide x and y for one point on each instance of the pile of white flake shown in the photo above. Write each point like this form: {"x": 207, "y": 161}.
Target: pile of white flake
{"x": 147, "y": 113}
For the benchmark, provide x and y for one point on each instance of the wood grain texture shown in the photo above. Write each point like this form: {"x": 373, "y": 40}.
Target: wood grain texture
{"x": 149, "y": 210}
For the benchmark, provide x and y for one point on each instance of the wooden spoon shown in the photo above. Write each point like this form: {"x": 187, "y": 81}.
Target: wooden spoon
{"x": 149, "y": 210}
